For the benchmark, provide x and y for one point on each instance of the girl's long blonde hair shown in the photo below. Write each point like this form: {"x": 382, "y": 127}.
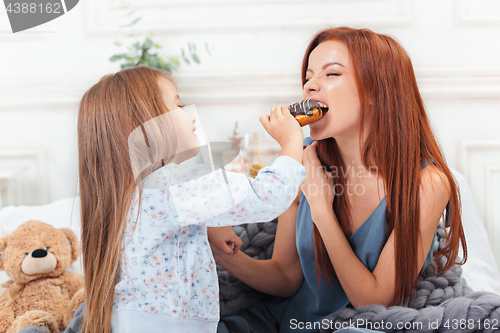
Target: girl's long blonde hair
{"x": 109, "y": 111}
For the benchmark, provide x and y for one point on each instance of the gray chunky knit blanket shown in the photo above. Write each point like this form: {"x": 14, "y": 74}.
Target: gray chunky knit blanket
{"x": 441, "y": 304}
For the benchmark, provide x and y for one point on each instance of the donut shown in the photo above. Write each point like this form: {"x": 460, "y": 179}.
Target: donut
{"x": 307, "y": 111}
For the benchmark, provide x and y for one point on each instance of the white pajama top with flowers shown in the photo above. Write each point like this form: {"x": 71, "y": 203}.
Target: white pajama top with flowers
{"x": 168, "y": 279}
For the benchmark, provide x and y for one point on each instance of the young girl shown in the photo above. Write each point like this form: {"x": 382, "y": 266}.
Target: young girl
{"x": 147, "y": 261}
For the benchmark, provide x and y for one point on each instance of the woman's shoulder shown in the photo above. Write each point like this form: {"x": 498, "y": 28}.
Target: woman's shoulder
{"x": 432, "y": 173}
{"x": 432, "y": 178}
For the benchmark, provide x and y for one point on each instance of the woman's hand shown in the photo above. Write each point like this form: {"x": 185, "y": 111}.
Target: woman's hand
{"x": 223, "y": 240}
{"x": 318, "y": 187}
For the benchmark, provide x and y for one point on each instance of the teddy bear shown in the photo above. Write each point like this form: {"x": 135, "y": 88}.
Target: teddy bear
{"x": 41, "y": 293}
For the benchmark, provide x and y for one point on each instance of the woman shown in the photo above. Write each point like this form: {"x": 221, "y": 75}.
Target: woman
{"x": 377, "y": 185}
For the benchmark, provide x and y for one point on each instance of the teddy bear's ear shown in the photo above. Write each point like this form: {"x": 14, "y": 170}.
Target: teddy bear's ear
{"x": 3, "y": 246}
{"x": 75, "y": 244}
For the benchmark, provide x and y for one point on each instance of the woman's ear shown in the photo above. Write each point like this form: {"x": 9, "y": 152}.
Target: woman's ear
{"x": 3, "y": 246}
{"x": 75, "y": 244}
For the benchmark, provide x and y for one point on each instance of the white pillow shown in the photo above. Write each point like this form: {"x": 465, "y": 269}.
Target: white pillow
{"x": 64, "y": 213}
{"x": 480, "y": 271}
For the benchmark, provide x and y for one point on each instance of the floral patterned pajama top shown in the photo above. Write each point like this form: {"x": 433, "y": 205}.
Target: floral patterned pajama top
{"x": 168, "y": 274}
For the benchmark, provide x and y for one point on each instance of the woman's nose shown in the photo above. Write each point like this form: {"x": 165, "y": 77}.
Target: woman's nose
{"x": 311, "y": 86}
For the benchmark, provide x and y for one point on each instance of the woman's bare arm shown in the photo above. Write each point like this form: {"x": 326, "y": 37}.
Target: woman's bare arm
{"x": 282, "y": 274}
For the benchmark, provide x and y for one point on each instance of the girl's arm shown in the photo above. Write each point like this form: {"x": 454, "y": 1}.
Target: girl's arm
{"x": 210, "y": 201}
{"x": 225, "y": 239}
{"x": 361, "y": 286}
{"x": 282, "y": 274}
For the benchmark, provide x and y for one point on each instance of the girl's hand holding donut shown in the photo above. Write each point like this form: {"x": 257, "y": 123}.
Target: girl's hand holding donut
{"x": 281, "y": 125}
{"x": 318, "y": 187}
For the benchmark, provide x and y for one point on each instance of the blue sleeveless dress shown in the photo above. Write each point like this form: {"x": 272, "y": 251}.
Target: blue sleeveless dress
{"x": 312, "y": 304}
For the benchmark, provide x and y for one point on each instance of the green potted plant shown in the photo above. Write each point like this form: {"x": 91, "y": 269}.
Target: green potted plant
{"x": 144, "y": 51}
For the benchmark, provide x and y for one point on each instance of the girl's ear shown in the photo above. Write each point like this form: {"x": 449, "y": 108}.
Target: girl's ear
{"x": 3, "y": 246}
{"x": 75, "y": 244}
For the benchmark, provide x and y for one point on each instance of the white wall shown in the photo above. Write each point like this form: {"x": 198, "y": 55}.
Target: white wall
{"x": 255, "y": 63}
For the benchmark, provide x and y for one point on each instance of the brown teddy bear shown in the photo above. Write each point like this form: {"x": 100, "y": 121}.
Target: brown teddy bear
{"x": 41, "y": 293}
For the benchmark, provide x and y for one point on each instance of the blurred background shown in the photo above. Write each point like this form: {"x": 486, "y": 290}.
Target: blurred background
{"x": 244, "y": 57}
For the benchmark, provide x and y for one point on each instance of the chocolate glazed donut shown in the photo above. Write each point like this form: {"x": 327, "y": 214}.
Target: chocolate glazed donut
{"x": 307, "y": 111}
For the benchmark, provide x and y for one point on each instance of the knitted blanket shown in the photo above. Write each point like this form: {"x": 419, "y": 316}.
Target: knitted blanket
{"x": 441, "y": 304}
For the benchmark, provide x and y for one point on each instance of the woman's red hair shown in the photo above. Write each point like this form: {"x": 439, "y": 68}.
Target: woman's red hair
{"x": 399, "y": 137}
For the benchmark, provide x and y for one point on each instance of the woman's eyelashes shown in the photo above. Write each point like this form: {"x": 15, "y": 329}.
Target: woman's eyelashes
{"x": 328, "y": 74}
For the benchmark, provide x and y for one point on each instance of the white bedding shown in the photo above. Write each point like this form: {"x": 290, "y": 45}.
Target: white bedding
{"x": 480, "y": 271}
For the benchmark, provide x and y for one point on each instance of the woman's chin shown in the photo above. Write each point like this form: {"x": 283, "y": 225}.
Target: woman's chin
{"x": 318, "y": 129}
{"x": 317, "y": 135}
